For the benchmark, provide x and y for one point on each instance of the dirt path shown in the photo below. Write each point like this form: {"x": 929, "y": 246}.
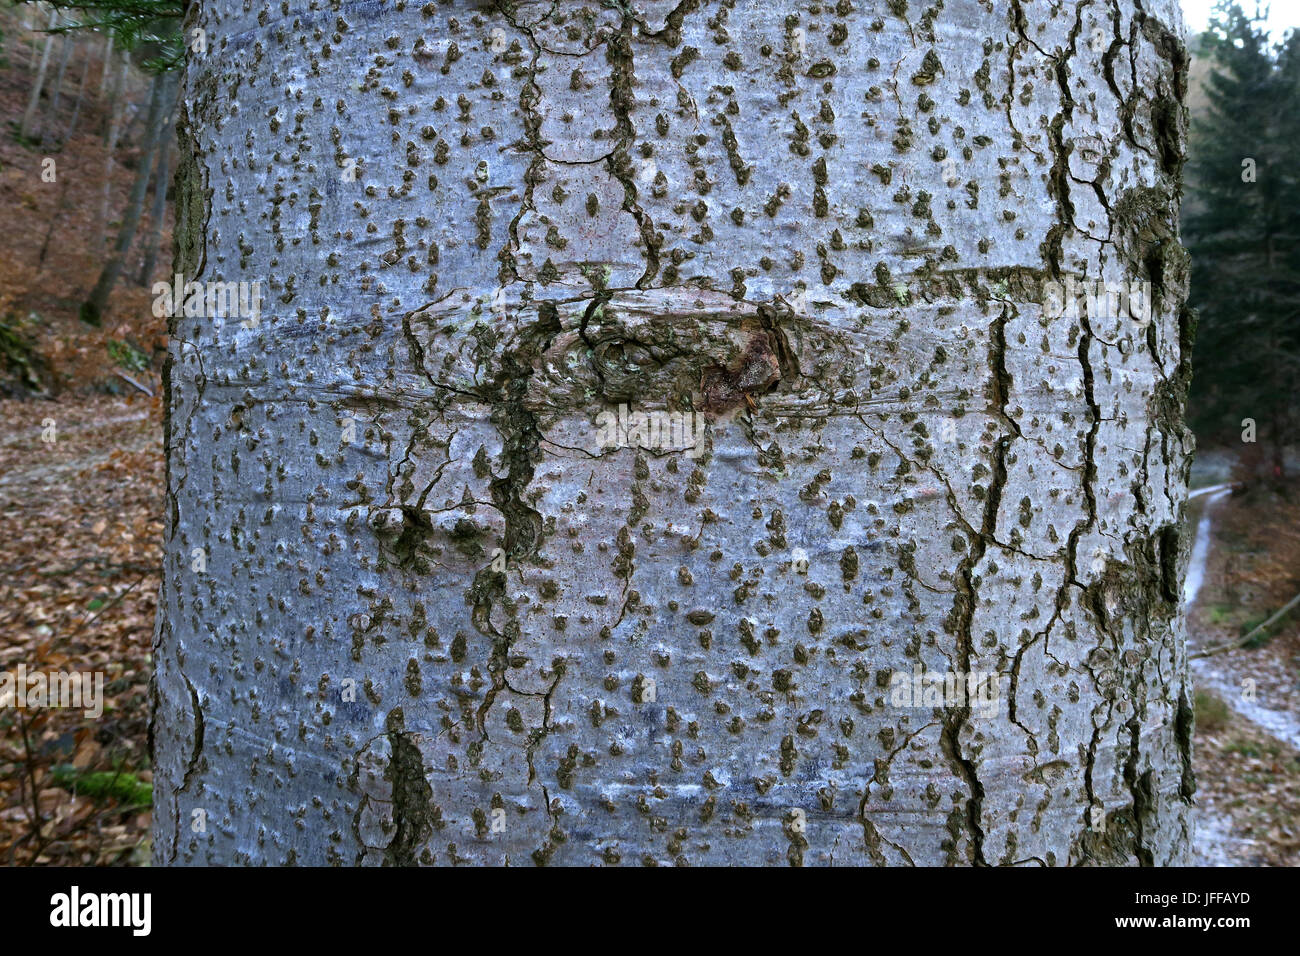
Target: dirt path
{"x": 1253, "y": 723}
{"x": 1201, "y": 548}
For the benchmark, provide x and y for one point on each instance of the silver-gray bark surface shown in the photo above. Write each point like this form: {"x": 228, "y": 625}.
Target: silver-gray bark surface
{"x": 435, "y": 621}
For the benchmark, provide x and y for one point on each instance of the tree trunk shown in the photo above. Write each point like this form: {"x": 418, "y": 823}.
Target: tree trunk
{"x": 159, "y": 211}
{"x": 65, "y": 51}
{"x": 114, "y": 116}
{"x": 138, "y": 119}
{"x": 31, "y": 17}
{"x": 116, "y": 107}
{"x": 92, "y": 309}
{"x": 29, "y": 115}
{"x": 81, "y": 94}
{"x": 108, "y": 65}
{"x": 426, "y": 598}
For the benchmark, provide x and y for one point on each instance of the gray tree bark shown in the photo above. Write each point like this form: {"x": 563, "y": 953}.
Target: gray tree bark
{"x": 415, "y": 610}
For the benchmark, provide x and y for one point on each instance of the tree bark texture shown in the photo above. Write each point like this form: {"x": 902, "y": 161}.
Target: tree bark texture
{"x": 435, "y": 620}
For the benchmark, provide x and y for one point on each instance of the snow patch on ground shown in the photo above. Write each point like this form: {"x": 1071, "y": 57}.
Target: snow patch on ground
{"x": 1201, "y": 547}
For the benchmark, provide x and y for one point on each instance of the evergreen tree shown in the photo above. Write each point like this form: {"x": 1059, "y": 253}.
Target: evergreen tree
{"x": 1245, "y": 248}
{"x": 149, "y": 28}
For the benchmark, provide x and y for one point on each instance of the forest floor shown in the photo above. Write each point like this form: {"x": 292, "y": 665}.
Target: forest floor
{"x": 1247, "y": 742}
{"x": 80, "y": 515}
{"x": 79, "y": 576}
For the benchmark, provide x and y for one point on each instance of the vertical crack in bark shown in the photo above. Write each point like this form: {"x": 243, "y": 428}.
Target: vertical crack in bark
{"x": 596, "y": 305}
{"x": 521, "y": 441}
{"x": 1108, "y": 71}
{"x": 964, "y": 607}
{"x": 413, "y": 811}
{"x": 1184, "y": 724}
{"x": 618, "y": 51}
{"x": 1058, "y": 182}
{"x": 196, "y": 707}
{"x": 1089, "y": 787}
{"x": 1141, "y": 789}
{"x": 530, "y": 94}
{"x": 1013, "y": 49}
{"x": 870, "y": 834}
{"x": 1001, "y": 397}
{"x": 1059, "y": 188}
{"x": 671, "y": 33}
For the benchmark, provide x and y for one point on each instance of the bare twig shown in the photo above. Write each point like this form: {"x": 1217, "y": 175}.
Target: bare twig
{"x": 1242, "y": 642}
{"x": 85, "y": 624}
{"x": 29, "y": 764}
{"x": 145, "y": 389}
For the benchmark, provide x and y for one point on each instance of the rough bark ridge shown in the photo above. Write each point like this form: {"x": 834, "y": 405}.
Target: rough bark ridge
{"x": 437, "y": 622}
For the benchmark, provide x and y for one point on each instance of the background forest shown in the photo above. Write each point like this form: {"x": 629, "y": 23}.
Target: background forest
{"x": 88, "y": 106}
